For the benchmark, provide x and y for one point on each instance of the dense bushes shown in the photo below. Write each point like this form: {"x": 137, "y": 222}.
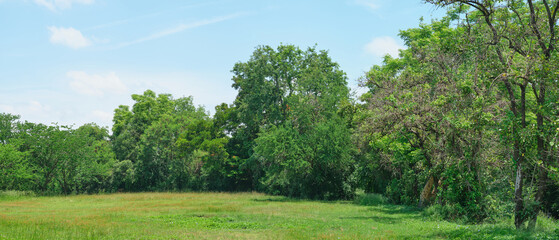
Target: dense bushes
{"x": 313, "y": 164}
{"x": 55, "y": 159}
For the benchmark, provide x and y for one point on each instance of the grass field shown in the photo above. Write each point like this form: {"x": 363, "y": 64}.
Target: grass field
{"x": 230, "y": 216}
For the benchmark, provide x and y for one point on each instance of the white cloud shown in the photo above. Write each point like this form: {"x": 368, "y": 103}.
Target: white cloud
{"x": 381, "y": 46}
{"x": 180, "y": 28}
{"x": 95, "y": 85}
{"x": 69, "y": 37}
{"x": 54, "y": 5}
{"x": 6, "y": 108}
{"x": 65, "y": 102}
{"x": 102, "y": 116}
{"x": 206, "y": 88}
{"x": 36, "y": 106}
{"x": 371, "y": 4}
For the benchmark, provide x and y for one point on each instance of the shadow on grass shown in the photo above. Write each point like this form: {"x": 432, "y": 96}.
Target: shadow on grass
{"x": 389, "y": 214}
{"x": 279, "y": 199}
{"x": 377, "y": 219}
{"x": 396, "y": 209}
{"x": 492, "y": 232}
{"x": 299, "y": 200}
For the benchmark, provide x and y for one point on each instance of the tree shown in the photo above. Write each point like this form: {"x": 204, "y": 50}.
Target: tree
{"x": 160, "y": 164}
{"x": 7, "y": 126}
{"x": 522, "y": 35}
{"x": 427, "y": 124}
{"x": 15, "y": 172}
{"x": 43, "y": 144}
{"x": 169, "y": 144}
{"x": 286, "y": 98}
{"x": 96, "y": 160}
{"x": 66, "y": 160}
{"x": 128, "y": 126}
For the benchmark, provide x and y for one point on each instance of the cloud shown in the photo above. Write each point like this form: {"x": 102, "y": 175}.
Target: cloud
{"x": 180, "y": 28}
{"x": 69, "y": 37}
{"x": 95, "y": 85}
{"x": 54, "y": 5}
{"x": 149, "y": 15}
{"x": 371, "y": 4}
{"x": 6, "y": 108}
{"x": 102, "y": 116}
{"x": 206, "y": 88}
{"x": 381, "y": 46}
{"x": 36, "y": 106}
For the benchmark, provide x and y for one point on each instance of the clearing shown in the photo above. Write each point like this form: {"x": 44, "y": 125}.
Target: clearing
{"x": 231, "y": 216}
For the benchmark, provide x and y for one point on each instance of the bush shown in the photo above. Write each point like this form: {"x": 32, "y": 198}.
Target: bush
{"x": 123, "y": 175}
{"x": 315, "y": 164}
{"x": 370, "y": 199}
{"x": 15, "y": 172}
{"x": 451, "y": 212}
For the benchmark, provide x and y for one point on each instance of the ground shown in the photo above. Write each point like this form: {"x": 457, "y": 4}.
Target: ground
{"x": 231, "y": 216}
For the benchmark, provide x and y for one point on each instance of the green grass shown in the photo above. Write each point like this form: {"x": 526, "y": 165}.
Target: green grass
{"x": 231, "y": 216}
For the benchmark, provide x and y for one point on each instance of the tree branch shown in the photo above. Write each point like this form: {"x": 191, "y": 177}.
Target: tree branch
{"x": 535, "y": 29}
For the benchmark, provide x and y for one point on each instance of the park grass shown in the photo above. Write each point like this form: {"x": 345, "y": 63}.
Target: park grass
{"x": 231, "y": 216}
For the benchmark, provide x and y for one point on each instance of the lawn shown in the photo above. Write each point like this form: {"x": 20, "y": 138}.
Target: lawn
{"x": 231, "y": 216}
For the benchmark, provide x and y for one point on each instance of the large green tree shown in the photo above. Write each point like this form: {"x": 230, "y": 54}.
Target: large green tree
{"x": 15, "y": 171}
{"x": 130, "y": 125}
{"x": 522, "y": 34}
{"x": 7, "y": 126}
{"x": 287, "y": 104}
{"x": 169, "y": 144}
{"x": 427, "y": 121}
{"x": 66, "y": 160}
{"x": 181, "y": 150}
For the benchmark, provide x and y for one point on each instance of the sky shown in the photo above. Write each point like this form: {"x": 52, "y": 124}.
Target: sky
{"x": 72, "y": 62}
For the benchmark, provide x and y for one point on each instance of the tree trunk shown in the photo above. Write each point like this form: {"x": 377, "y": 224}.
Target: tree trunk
{"x": 518, "y": 155}
{"x": 428, "y": 193}
{"x": 518, "y": 198}
{"x": 542, "y": 157}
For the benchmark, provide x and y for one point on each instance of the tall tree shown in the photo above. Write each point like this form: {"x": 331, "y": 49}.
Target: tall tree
{"x": 287, "y": 97}
{"x": 428, "y": 116}
{"x": 7, "y": 126}
{"x": 129, "y": 125}
{"x": 15, "y": 171}
{"x": 523, "y": 36}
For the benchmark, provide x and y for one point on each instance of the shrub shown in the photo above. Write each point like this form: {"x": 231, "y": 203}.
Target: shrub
{"x": 370, "y": 199}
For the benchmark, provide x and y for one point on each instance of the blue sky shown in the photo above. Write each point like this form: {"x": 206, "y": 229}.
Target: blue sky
{"x": 75, "y": 61}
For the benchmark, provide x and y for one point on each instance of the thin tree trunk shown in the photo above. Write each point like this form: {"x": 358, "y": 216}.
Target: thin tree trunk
{"x": 542, "y": 157}
{"x": 518, "y": 155}
{"x": 518, "y": 199}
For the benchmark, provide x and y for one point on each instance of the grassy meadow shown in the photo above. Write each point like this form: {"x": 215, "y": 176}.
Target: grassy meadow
{"x": 231, "y": 216}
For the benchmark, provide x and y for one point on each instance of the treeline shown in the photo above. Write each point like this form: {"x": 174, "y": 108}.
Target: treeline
{"x": 465, "y": 121}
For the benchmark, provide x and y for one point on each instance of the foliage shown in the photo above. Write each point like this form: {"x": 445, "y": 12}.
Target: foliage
{"x": 521, "y": 35}
{"x": 289, "y": 130}
{"x": 57, "y": 159}
{"x": 315, "y": 164}
{"x": 7, "y": 125}
{"x": 123, "y": 175}
{"x": 15, "y": 172}
{"x": 427, "y": 115}
{"x": 171, "y": 144}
